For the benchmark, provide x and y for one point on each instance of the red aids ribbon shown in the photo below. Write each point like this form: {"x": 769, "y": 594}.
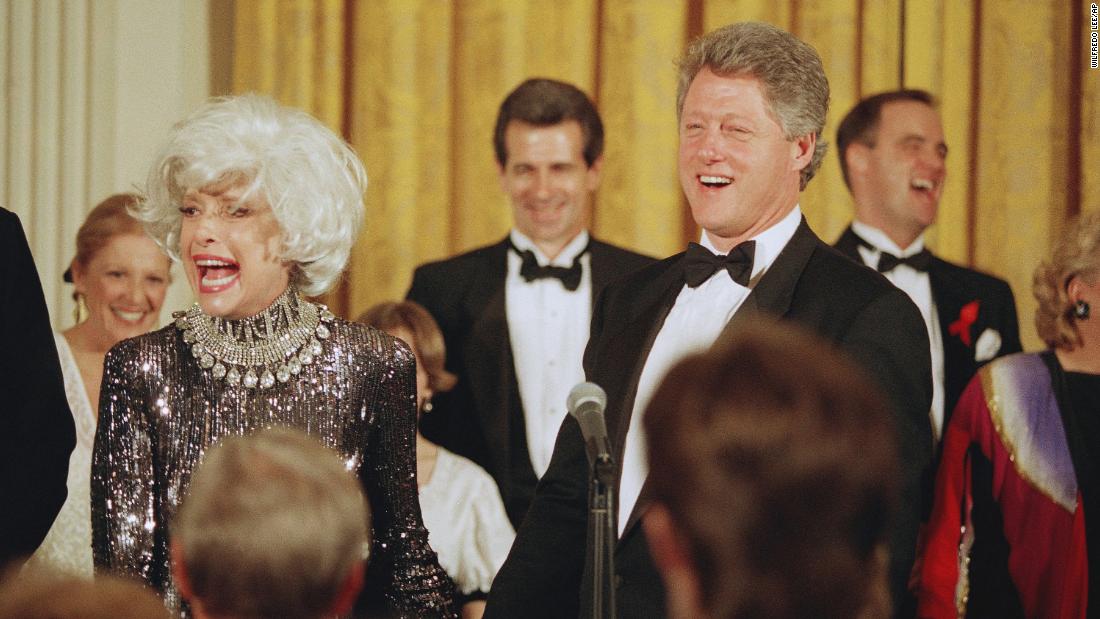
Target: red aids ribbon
{"x": 961, "y": 327}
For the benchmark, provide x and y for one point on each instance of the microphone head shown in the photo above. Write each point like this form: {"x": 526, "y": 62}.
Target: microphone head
{"x": 586, "y": 395}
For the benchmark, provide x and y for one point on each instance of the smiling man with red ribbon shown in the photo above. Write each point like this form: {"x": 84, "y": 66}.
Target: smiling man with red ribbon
{"x": 892, "y": 153}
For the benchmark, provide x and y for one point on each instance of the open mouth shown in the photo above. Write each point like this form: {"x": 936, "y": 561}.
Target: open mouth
{"x": 216, "y": 274}
{"x": 923, "y": 186}
{"x": 714, "y": 181}
{"x": 133, "y": 317}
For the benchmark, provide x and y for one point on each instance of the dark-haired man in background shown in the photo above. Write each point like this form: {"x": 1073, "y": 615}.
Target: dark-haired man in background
{"x": 515, "y": 315}
{"x": 892, "y": 153}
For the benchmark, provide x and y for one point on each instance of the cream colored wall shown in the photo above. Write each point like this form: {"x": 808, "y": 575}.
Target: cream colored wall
{"x": 91, "y": 87}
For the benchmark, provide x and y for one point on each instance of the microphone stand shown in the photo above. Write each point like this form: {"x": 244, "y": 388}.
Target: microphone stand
{"x": 603, "y": 532}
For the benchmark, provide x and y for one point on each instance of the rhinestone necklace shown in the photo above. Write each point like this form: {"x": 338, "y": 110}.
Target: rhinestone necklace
{"x": 257, "y": 351}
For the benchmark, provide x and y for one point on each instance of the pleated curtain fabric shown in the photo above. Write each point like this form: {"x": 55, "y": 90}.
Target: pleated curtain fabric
{"x": 414, "y": 85}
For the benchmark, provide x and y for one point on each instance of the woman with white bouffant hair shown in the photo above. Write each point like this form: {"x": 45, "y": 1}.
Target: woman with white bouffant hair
{"x": 261, "y": 204}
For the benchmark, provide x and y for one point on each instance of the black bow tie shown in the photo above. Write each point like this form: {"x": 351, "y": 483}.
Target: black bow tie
{"x": 888, "y": 262}
{"x": 918, "y": 261}
{"x": 700, "y": 263}
{"x": 531, "y": 270}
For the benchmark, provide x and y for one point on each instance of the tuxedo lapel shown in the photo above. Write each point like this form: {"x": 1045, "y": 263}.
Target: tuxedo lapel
{"x": 772, "y": 296}
{"x": 773, "y": 293}
{"x": 848, "y": 244}
{"x": 624, "y": 349}
{"x": 597, "y": 263}
{"x": 489, "y": 352}
{"x": 958, "y": 359}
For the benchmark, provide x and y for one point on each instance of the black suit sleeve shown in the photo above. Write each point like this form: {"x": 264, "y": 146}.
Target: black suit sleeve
{"x": 889, "y": 339}
{"x": 542, "y": 575}
{"x": 37, "y": 433}
{"x": 435, "y": 426}
{"x": 451, "y": 423}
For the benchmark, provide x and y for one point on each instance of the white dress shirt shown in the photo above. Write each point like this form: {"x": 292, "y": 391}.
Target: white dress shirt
{"x": 692, "y": 325}
{"x": 548, "y": 327}
{"x": 919, "y": 288}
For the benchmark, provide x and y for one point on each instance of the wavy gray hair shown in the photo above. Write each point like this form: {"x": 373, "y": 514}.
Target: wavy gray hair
{"x": 790, "y": 71}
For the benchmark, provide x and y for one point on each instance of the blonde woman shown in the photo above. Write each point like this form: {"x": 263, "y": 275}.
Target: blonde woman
{"x": 120, "y": 277}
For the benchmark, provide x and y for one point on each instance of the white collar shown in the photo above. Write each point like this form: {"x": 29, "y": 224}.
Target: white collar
{"x": 879, "y": 241}
{"x": 768, "y": 243}
{"x": 564, "y": 258}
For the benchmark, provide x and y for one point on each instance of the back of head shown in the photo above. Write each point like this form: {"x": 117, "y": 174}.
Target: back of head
{"x": 272, "y": 525}
{"x": 544, "y": 102}
{"x": 773, "y": 456}
{"x": 43, "y": 596}
{"x": 860, "y": 124}
{"x": 428, "y": 341}
{"x": 789, "y": 70}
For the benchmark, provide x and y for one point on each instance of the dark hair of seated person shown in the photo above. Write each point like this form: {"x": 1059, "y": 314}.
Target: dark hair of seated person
{"x": 774, "y": 477}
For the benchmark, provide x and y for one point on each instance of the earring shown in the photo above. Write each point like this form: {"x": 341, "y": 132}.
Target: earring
{"x": 426, "y": 407}
{"x": 1081, "y": 310}
{"x": 80, "y": 311}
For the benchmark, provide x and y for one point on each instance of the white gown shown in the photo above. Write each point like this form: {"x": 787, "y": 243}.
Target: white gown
{"x": 466, "y": 522}
{"x": 68, "y": 546}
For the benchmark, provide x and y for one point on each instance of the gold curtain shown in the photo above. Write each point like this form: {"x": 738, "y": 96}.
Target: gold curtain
{"x": 414, "y": 86}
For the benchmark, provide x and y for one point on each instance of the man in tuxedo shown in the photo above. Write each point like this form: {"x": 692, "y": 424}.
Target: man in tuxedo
{"x": 752, "y": 101}
{"x": 892, "y": 153}
{"x": 515, "y": 314}
{"x": 38, "y": 433}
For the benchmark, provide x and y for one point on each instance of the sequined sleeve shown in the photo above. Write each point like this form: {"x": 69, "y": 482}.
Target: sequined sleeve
{"x": 123, "y": 486}
{"x": 418, "y": 587}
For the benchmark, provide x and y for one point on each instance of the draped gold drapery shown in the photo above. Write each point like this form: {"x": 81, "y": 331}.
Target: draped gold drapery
{"x": 414, "y": 86}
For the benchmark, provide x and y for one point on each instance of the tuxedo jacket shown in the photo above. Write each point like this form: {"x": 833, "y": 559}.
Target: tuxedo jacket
{"x": 482, "y": 417}
{"x": 36, "y": 428}
{"x": 954, "y": 288}
{"x": 809, "y": 283}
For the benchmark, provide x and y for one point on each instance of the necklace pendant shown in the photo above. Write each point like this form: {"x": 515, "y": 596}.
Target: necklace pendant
{"x": 259, "y": 351}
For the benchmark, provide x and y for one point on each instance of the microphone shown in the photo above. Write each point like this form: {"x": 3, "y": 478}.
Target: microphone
{"x": 586, "y": 403}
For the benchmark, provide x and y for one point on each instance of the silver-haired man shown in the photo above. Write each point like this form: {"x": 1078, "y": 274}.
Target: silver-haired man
{"x": 273, "y": 525}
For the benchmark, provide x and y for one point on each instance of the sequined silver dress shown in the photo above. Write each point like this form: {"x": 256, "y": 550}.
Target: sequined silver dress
{"x": 160, "y": 410}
